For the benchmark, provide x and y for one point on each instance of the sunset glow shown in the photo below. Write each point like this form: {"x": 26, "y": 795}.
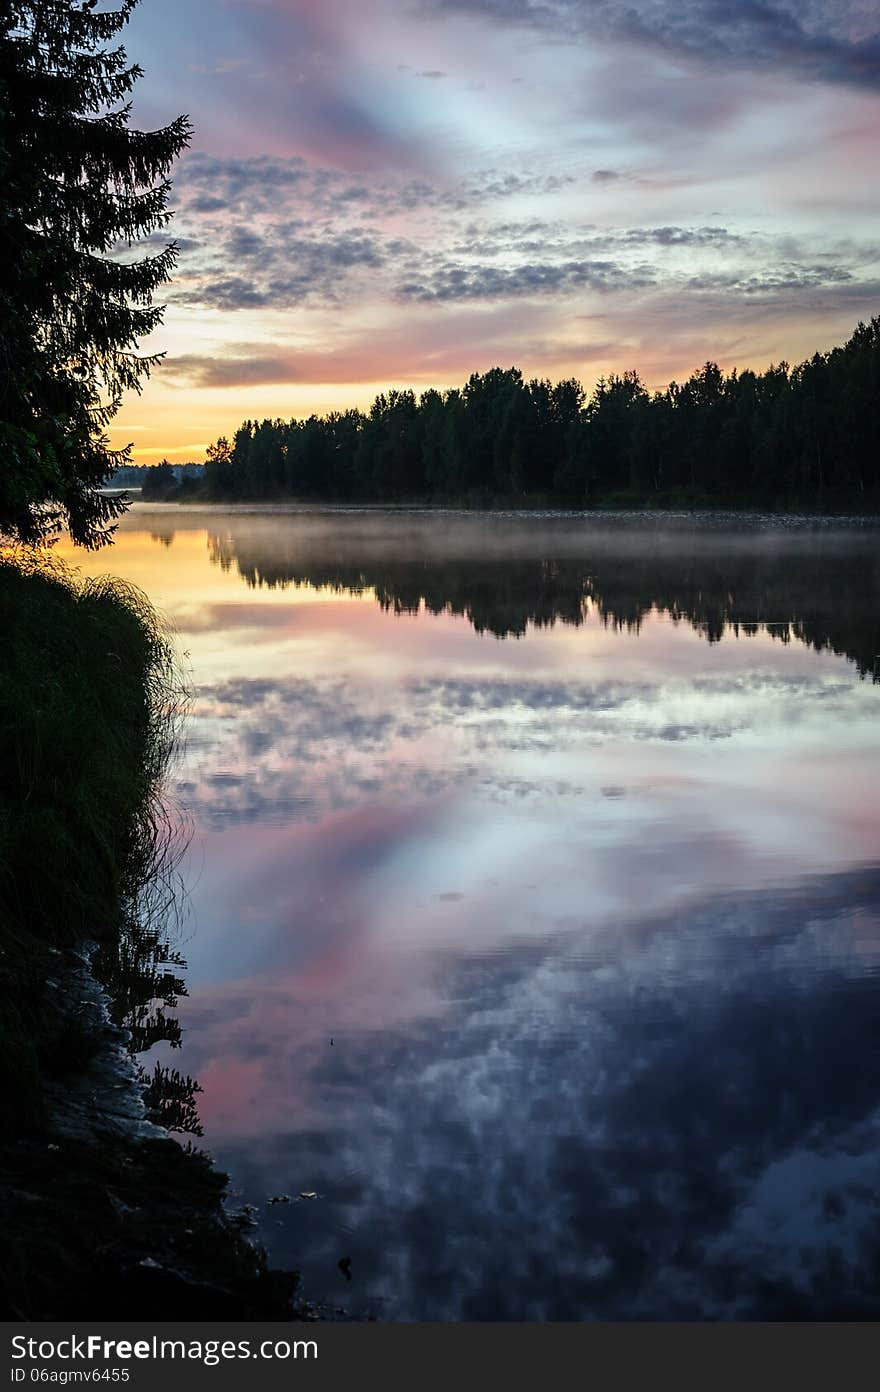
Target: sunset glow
{"x": 404, "y": 193}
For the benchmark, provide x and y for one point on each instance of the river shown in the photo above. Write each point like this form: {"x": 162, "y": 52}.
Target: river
{"x": 533, "y": 903}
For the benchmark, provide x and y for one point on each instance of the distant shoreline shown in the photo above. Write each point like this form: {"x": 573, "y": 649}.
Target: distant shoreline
{"x": 667, "y": 515}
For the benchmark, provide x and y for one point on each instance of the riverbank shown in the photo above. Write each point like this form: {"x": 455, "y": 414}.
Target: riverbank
{"x": 103, "y": 1212}
{"x": 649, "y": 503}
{"x": 656, "y": 518}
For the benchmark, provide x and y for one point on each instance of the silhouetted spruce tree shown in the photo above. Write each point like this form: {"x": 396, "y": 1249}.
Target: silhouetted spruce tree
{"x": 78, "y": 188}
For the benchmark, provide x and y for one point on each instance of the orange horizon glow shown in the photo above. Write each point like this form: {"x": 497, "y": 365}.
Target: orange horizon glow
{"x": 391, "y": 196}
{"x": 178, "y": 424}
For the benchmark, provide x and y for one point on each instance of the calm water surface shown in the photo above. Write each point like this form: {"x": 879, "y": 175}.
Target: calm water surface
{"x": 535, "y": 905}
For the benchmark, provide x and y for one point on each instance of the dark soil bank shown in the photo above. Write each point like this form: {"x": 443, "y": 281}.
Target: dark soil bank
{"x": 103, "y": 1213}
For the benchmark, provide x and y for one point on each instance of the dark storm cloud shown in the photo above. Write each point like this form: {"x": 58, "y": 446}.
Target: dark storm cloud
{"x": 821, "y": 40}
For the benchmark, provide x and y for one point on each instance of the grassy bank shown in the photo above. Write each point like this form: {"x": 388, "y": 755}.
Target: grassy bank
{"x": 87, "y": 696}
{"x": 101, "y": 1215}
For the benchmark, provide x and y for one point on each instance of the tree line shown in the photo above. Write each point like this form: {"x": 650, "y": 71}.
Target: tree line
{"x": 788, "y": 437}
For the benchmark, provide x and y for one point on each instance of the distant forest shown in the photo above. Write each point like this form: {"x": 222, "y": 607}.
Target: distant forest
{"x": 787, "y": 437}
{"x": 155, "y": 479}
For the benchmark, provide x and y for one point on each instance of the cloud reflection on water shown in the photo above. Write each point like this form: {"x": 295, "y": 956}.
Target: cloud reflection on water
{"x": 592, "y": 1130}
{"x": 590, "y": 912}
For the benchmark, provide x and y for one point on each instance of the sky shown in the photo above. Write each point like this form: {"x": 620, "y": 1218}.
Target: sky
{"x": 402, "y": 192}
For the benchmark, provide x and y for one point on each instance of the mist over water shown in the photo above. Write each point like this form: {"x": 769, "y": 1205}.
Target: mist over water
{"x": 565, "y": 832}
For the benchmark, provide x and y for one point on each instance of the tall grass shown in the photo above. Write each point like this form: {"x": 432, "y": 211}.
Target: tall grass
{"x": 90, "y": 699}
